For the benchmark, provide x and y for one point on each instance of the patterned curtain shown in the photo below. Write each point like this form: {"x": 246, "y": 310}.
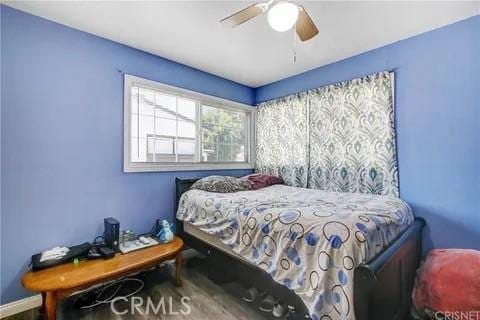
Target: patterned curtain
{"x": 281, "y": 141}
{"x": 352, "y": 137}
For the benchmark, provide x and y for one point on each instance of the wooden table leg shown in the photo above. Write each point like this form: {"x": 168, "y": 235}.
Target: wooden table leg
{"x": 178, "y": 269}
{"x": 44, "y": 300}
{"x": 50, "y": 305}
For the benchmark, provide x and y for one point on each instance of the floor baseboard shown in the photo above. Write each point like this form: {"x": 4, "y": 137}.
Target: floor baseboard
{"x": 21, "y": 305}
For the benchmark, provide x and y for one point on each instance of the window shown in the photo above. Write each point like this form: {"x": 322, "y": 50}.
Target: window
{"x": 169, "y": 129}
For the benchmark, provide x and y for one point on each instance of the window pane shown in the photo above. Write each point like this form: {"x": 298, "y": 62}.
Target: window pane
{"x": 186, "y": 110}
{"x": 164, "y": 146}
{"x": 145, "y": 108}
{"x": 186, "y": 147}
{"x": 165, "y": 114}
{"x": 240, "y": 154}
{"x": 162, "y": 127}
{"x": 224, "y": 135}
{"x": 209, "y": 153}
{"x": 150, "y": 148}
{"x": 145, "y": 126}
{"x": 146, "y": 101}
{"x": 186, "y": 129}
{"x": 224, "y": 152}
{"x": 165, "y": 127}
{"x": 165, "y": 106}
{"x": 146, "y": 94}
{"x": 160, "y": 150}
{"x": 213, "y": 117}
{"x": 208, "y": 113}
{"x": 134, "y": 125}
{"x": 134, "y": 100}
{"x": 165, "y": 101}
{"x": 138, "y": 150}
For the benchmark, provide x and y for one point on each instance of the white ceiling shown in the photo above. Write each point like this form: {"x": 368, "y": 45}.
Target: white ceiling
{"x": 252, "y": 54}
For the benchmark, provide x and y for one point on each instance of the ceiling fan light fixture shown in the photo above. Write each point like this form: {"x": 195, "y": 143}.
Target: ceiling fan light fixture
{"x": 283, "y": 16}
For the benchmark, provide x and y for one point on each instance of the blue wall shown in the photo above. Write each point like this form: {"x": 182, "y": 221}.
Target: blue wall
{"x": 62, "y": 134}
{"x": 437, "y": 83}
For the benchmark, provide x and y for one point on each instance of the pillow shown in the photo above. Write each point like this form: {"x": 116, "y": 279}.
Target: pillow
{"x": 260, "y": 180}
{"x": 223, "y": 184}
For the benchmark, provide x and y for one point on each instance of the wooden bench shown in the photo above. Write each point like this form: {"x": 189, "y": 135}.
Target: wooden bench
{"x": 64, "y": 280}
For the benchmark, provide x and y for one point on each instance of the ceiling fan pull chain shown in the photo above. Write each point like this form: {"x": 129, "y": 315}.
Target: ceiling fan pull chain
{"x": 294, "y": 44}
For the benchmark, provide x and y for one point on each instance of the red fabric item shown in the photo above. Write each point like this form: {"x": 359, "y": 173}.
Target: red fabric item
{"x": 449, "y": 280}
{"x": 260, "y": 180}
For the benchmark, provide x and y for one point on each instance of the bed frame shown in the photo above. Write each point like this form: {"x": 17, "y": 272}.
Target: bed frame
{"x": 382, "y": 287}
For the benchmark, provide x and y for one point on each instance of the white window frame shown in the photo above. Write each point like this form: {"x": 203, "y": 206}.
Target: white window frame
{"x": 201, "y": 99}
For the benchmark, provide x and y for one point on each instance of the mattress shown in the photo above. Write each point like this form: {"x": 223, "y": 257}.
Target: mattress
{"x": 211, "y": 240}
{"x": 308, "y": 240}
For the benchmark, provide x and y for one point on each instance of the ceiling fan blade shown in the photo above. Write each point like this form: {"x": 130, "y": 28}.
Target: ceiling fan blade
{"x": 305, "y": 27}
{"x": 243, "y": 15}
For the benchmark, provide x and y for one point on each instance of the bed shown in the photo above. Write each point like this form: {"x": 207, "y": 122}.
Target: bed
{"x": 331, "y": 255}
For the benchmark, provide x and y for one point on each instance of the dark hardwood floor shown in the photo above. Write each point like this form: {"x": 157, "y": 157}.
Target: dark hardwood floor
{"x": 213, "y": 296}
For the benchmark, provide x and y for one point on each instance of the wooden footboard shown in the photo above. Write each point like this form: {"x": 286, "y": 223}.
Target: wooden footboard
{"x": 382, "y": 288}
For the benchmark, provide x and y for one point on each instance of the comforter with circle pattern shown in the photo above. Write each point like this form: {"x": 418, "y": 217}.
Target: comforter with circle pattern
{"x": 308, "y": 240}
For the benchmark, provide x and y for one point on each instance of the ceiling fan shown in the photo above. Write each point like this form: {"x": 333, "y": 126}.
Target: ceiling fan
{"x": 282, "y": 15}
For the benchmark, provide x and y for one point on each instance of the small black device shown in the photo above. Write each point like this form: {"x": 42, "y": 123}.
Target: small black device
{"x": 111, "y": 234}
{"x": 79, "y": 252}
{"x": 106, "y": 252}
{"x": 94, "y": 254}
{"x": 98, "y": 252}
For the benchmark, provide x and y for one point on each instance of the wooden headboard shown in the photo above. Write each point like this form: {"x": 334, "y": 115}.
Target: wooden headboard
{"x": 182, "y": 185}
